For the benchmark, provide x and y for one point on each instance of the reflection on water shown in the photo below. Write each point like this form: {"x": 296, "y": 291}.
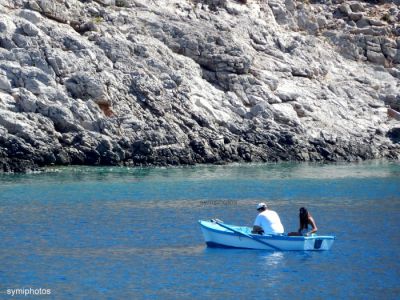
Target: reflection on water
{"x": 209, "y": 172}
{"x": 272, "y": 259}
{"x": 112, "y": 252}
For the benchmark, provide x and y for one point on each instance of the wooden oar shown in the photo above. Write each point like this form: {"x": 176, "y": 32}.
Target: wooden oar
{"x": 247, "y": 235}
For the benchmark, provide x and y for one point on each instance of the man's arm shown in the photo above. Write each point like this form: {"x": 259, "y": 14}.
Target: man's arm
{"x": 257, "y": 229}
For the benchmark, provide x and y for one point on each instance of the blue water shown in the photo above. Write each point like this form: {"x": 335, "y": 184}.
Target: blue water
{"x": 120, "y": 233}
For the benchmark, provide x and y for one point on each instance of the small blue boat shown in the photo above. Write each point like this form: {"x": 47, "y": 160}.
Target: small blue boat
{"x": 218, "y": 234}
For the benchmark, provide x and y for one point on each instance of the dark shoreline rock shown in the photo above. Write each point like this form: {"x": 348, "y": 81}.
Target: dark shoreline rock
{"x": 196, "y": 154}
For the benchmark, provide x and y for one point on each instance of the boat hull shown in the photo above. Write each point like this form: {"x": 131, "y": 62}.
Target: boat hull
{"x": 218, "y": 236}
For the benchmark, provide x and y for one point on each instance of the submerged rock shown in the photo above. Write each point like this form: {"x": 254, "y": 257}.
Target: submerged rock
{"x": 184, "y": 82}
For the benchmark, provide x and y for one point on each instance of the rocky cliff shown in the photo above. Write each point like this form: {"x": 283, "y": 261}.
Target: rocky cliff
{"x": 169, "y": 82}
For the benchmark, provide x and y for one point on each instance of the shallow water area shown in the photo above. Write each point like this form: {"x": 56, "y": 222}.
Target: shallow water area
{"x": 107, "y": 232}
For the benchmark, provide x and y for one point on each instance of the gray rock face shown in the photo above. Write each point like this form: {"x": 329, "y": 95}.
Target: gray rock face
{"x": 182, "y": 82}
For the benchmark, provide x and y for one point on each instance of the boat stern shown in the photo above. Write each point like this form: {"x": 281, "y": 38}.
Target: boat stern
{"x": 318, "y": 243}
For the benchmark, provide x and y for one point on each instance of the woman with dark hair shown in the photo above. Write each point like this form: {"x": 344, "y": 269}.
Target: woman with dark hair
{"x": 305, "y": 220}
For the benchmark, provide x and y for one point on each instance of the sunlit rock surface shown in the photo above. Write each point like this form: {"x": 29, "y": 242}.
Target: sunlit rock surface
{"x": 119, "y": 82}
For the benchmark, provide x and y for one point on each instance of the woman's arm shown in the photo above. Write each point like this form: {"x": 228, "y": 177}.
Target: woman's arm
{"x": 314, "y": 228}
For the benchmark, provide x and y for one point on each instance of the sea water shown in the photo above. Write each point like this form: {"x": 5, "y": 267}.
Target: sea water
{"x": 126, "y": 233}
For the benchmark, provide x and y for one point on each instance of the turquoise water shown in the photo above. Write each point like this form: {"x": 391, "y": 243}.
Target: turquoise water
{"x": 120, "y": 233}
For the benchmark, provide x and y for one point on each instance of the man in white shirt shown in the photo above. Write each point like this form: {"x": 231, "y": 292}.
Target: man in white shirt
{"x": 267, "y": 221}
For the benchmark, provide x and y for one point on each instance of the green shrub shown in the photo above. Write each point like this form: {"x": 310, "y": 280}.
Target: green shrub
{"x": 98, "y": 20}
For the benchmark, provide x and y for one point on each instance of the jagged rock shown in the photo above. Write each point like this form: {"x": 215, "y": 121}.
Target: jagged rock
{"x": 51, "y": 9}
{"x": 85, "y": 86}
{"x": 355, "y": 16}
{"x": 5, "y": 84}
{"x": 345, "y": 9}
{"x": 106, "y": 2}
{"x": 392, "y": 100}
{"x": 357, "y": 7}
{"x": 363, "y": 22}
{"x": 284, "y": 112}
{"x": 375, "y": 57}
{"x": 135, "y": 83}
{"x": 394, "y": 134}
{"x": 32, "y": 16}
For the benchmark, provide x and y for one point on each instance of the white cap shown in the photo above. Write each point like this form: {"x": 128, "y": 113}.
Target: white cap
{"x": 261, "y": 205}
